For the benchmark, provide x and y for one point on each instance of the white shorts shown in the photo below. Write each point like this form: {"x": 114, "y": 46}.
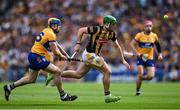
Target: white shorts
{"x": 92, "y": 59}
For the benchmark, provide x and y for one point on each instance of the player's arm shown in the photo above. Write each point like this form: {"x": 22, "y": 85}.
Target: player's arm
{"x": 158, "y": 47}
{"x": 56, "y": 51}
{"x": 133, "y": 45}
{"x": 117, "y": 45}
{"x": 62, "y": 50}
{"x": 86, "y": 30}
{"x": 120, "y": 50}
{"x": 81, "y": 31}
{"x": 121, "y": 54}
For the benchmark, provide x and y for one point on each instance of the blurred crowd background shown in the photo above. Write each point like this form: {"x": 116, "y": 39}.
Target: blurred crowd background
{"x": 22, "y": 20}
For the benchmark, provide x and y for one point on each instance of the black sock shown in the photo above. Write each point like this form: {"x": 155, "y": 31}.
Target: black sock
{"x": 137, "y": 89}
{"x": 62, "y": 93}
{"x": 11, "y": 86}
{"x": 107, "y": 93}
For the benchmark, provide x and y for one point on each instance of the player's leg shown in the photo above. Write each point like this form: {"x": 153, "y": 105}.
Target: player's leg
{"x": 27, "y": 79}
{"x": 106, "y": 77}
{"x": 49, "y": 78}
{"x": 79, "y": 73}
{"x": 150, "y": 73}
{"x": 150, "y": 70}
{"x": 106, "y": 82}
{"x": 139, "y": 79}
{"x": 82, "y": 70}
{"x": 56, "y": 72}
{"x": 36, "y": 62}
{"x": 49, "y": 57}
{"x": 58, "y": 82}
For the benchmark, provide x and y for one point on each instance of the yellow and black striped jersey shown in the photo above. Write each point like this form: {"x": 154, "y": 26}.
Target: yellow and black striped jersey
{"x": 99, "y": 37}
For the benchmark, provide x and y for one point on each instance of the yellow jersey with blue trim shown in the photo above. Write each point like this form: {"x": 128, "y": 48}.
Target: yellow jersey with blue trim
{"x": 41, "y": 44}
{"x": 146, "y": 43}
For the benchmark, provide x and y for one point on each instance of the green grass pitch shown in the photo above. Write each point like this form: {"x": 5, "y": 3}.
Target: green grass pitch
{"x": 37, "y": 96}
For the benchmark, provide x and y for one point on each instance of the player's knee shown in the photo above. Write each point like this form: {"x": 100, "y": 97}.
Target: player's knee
{"x": 150, "y": 77}
{"x": 140, "y": 76}
{"x": 58, "y": 72}
{"x": 107, "y": 73}
{"x": 31, "y": 80}
{"x": 79, "y": 76}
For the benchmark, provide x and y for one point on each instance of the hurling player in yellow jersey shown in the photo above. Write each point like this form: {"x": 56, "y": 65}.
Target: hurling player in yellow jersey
{"x": 45, "y": 42}
{"x": 99, "y": 36}
{"x": 143, "y": 47}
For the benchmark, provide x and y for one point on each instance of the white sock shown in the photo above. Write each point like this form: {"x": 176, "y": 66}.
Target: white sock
{"x": 65, "y": 95}
{"x": 8, "y": 87}
{"x": 106, "y": 96}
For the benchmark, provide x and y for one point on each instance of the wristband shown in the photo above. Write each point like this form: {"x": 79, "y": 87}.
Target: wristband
{"x": 78, "y": 43}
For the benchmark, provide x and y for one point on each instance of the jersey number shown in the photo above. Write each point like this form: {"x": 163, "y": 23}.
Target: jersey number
{"x": 39, "y": 37}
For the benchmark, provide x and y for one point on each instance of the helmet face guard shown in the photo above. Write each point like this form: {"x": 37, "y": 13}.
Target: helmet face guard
{"x": 107, "y": 25}
{"x": 54, "y": 21}
{"x": 109, "y": 20}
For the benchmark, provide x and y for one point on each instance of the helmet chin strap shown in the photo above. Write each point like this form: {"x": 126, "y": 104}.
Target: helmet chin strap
{"x": 147, "y": 31}
{"x": 107, "y": 25}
